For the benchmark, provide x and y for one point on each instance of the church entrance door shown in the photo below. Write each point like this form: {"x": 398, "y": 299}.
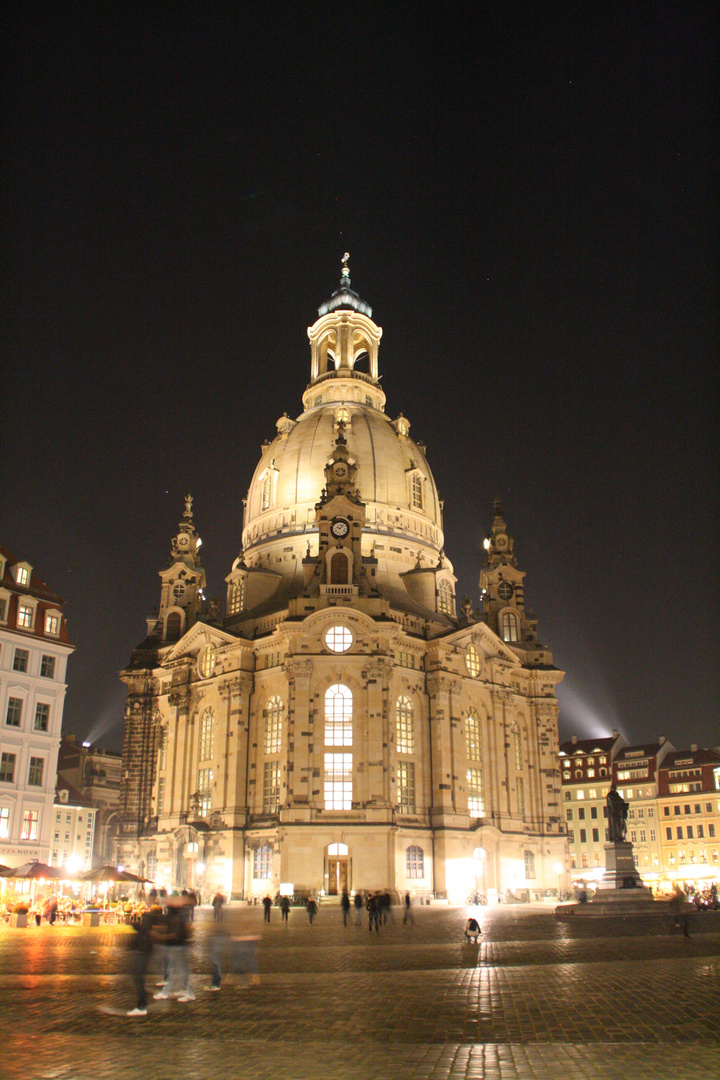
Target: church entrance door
{"x": 337, "y": 875}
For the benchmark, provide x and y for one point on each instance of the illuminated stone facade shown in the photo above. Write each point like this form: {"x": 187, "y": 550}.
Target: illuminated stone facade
{"x": 343, "y": 725}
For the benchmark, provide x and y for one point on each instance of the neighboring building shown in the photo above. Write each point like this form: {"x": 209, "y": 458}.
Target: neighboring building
{"x": 586, "y": 769}
{"x": 689, "y": 815}
{"x": 636, "y": 776}
{"x": 94, "y": 774}
{"x": 73, "y": 832}
{"x": 34, "y": 647}
{"x": 344, "y": 725}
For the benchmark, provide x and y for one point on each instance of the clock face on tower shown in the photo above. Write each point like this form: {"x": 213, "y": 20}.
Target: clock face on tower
{"x": 340, "y": 528}
{"x": 505, "y": 590}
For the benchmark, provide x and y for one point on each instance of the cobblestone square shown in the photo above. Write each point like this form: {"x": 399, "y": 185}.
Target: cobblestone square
{"x": 537, "y": 998}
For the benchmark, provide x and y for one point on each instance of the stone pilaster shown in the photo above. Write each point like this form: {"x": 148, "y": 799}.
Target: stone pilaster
{"x": 378, "y": 673}
{"x": 301, "y": 737}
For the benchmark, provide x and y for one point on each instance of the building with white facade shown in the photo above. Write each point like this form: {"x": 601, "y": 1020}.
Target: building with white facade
{"x": 73, "y": 833}
{"x": 34, "y": 648}
{"x": 93, "y": 774}
{"x": 346, "y": 724}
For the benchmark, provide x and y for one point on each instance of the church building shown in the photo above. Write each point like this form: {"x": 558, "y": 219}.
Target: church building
{"x": 344, "y": 724}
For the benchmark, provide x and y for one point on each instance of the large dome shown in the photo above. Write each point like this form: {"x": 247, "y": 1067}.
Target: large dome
{"x": 403, "y": 527}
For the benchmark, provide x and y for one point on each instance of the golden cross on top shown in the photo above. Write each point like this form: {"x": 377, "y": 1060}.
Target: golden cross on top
{"x": 345, "y": 268}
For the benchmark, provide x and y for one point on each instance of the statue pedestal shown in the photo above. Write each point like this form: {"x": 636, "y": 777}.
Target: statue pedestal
{"x": 620, "y": 869}
{"x": 620, "y": 891}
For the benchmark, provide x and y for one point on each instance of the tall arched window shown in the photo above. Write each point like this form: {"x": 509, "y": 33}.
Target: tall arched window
{"x": 339, "y": 569}
{"x": 446, "y": 599}
{"x": 173, "y": 626}
{"x": 404, "y": 728}
{"x": 509, "y": 626}
{"x": 273, "y": 725}
{"x": 338, "y": 716}
{"x": 206, "y": 741}
{"x": 416, "y": 491}
{"x": 415, "y": 862}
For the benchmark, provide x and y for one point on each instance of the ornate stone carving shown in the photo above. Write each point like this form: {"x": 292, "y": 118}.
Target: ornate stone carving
{"x": 180, "y": 699}
{"x": 296, "y": 668}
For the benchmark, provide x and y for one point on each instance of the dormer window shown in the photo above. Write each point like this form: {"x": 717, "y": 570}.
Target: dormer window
{"x": 25, "y": 615}
{"x": 22, "y": 574}
{"x": 236, "y": 597}
{"x": 446, "y": 598}
{"x": 268, "y": 487}
{"x": 52, "y": 622}
{"x": 416, "y": 489}
{"x": 509, "y": 626}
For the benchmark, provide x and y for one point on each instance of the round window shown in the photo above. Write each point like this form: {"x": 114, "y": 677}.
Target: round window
{"x": 473, "y": 661}
{"x": 207, "y": 661}
{"x": 338, "y": 639}
{"x": 178, "y": 590}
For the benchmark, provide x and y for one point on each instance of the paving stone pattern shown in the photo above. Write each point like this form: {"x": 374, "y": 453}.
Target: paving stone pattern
{"x": 539, "y": 997}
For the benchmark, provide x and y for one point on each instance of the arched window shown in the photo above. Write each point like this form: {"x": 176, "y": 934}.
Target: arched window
{"x": 262, "y": 862}
{"x": 446, "y": 598}
{"x": 530, "y": 865}
{"x": 415, "y": 862}
{"x": 404, "y": 728}
{"x": 508, "y": 626}
{"x": 273, "y": 725}
{"x": 337, "y": 849}
{"x": 173, "y": 626}
{"x": 206, "y": 741}
{"x": 339, "y": 568}
{"x": 338, "y": 716}
{"x": 473, "y": 736}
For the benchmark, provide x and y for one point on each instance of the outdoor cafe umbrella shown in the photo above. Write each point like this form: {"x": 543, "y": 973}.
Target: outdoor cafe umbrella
{"x": 109, "y": 873}
{"x": 34, "y": 871}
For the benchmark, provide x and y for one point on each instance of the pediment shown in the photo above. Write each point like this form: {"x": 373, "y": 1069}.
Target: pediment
{"x": 486, "y": 641}
{"x": 196, "y": 639}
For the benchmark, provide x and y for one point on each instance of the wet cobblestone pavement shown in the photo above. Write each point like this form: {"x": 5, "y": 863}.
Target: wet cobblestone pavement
{"x": 538, "y": 998}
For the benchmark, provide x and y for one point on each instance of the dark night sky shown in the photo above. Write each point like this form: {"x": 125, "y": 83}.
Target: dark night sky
{"x": 528, "y": 196}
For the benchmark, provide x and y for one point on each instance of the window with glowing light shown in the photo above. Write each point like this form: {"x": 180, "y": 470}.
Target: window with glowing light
{"x": 404, "y": 730}
{"x": 475, "y": 792}
{"x": 509, "y": 626}
{"x": 206, "y": 742}
{"x": 472, "y": 661}
{"x": 268, "y": 488}
{"x": 208, "y": 661}
{"x": 204, "y": 791}
{"x": 338, "y": 716}
{"x": 4, "y": 822}
{"x": 416, "y": 491}
{"x": 415, "y": 862}
{"x": 271, "y": 787}
{"x": 529, "y": 866}
{"x": 517, "y": 745}
{"x": 406, "y": 787}
{"x": 262, "y": 862}
{"x": 29, "y": 828}
{"x": 236, "y": 597}
{"x": 52, "y": 624}
{"x": 272, "y": 716}
{"x": 22, "y": 575}
{"x": 446, "y": 598}
{"x": 338, "y": 639}
{"x": 25, "y": 616}
{"x": 473, "y": 737}
{"x": 338, "y": 781}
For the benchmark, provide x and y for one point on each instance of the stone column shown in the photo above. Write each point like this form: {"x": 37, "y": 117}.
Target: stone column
{"x": 235, "y": 693}
{"x": 439, "y": 686}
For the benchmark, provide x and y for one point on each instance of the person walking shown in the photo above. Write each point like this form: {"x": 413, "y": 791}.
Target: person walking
{"x": 345, "y": 905}
{"x": 408, "y": 915}
{"x": 312, "y": 909}
{"x": 267, "y": 906}
{"x": 285, "y": 908}
{"x": 218, "y": 904}
{"x": 175, "y": 935}
{"x": 140, "y": 951}
{"x": 373, "y": 909}
{"x": 358, "y": 907}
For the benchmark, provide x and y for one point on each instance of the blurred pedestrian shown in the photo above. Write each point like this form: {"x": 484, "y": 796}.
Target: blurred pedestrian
{"x": 472, "y": 930}
{"x": 408, "y": 915}
{"x": 218, "y": 904}
{"x": 358, "y": 907}
{"x": 141, "y": 947}
{"x": 311, "y": 909}
{"x": 175, "y": 935}
{"x": 373, "y": 910}
{"x": 345, "y": 905}
{"x": 267, "y": 905}
{"x": 285, "y": 908}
